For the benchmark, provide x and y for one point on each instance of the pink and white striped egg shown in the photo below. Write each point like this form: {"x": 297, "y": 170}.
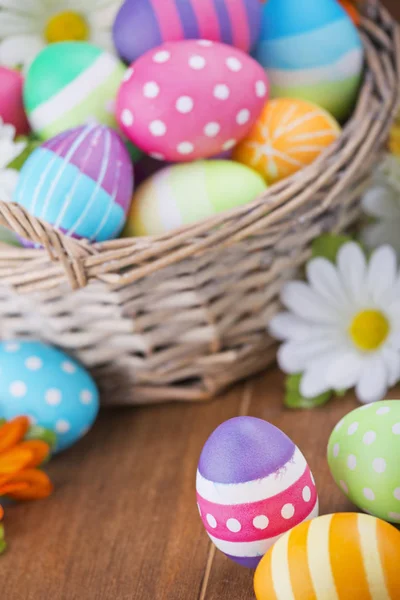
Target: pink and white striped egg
{"x": 190, "y": 99}
{"x": 253, "y": 484}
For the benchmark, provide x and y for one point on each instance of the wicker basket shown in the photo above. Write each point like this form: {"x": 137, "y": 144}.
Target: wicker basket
{"x": 183, "y": 315}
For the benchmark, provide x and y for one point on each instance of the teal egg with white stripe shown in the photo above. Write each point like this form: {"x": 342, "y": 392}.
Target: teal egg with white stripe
{"x": 80, "y": 181}
{"x": 312, "y": 53}
{"x": 69, "y": 84}
{"x": 49, "y": 387}
{"x": 185, "y": 193}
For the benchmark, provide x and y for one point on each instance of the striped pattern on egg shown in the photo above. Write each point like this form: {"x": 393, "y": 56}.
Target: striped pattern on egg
{"x": 288, "y": 136}
{"x": 346, "y": 556}
{"x": 81, "y": 182}
{"x": 80, "y": 89}
{"x": 145, "y": 24}
{"x": 315, "y": 53}
{"x": 248, "y": 500}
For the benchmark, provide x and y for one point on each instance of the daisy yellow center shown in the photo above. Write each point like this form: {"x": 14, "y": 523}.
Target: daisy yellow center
{"x": 369, "y": 329}
{"x": 66, "y": 26}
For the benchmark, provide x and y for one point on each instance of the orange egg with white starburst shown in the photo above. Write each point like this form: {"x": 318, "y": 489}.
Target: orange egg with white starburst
{"x": 288, "y": 136}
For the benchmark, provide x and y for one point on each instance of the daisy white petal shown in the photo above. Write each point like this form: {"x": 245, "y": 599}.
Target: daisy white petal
{"x": 353, "y": 269}
{"x": 394, "y": 339}
{"x": 295, "y": 357}
{"x": 382, "y": 271}
{"x": 103, "y": 16}
{"x": 382, "y": 201}
{"x": 20, "y": 50}
{"x": 374, "y": 380}
{"x": 12, "y": 23}
{"x": 314, "y": 382}
{"x": 30, "y": 7}
{"x": 303, "y": 301}
{"x": 344, "y": 372}
{"x": 8, "y": 183}
{"x": 324, "y": 280}
{"x": 286, "y": 326}
{"x": 392, "y": 362}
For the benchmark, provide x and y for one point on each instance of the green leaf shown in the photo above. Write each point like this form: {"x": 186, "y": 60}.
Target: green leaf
{"x": 328, "y": 245}
{"x": 294, "y": 398}
{"x": 20, "y": 160}
{"x": 37, "y": 432}
{"x": 3, "y": 544}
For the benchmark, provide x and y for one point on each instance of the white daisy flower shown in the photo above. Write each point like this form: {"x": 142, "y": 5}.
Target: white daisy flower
{"x": 9, "y": 150}
{"x": 342, "y": 328}
{"x": 26, "y": 26}
{"x": 382, "y": 203}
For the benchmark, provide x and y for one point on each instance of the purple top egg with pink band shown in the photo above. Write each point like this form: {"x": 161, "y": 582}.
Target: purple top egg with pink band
{"x": 145, "y": 24}
{"x": 253, "y": 484}
{"x": 244, "y": 449}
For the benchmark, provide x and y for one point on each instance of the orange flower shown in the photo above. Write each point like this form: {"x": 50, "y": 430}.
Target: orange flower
{"x": 19, "y": 477}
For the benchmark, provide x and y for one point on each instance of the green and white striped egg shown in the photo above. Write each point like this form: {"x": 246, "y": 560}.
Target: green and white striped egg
{"x": 186, "y": 193}
{"x": 69, "y": 84}
{"x": 363, "y": 456}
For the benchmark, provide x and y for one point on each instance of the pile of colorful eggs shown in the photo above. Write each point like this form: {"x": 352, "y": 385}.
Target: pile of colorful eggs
{"x": 258, "y": 502}
{"x": 204, "y": 105}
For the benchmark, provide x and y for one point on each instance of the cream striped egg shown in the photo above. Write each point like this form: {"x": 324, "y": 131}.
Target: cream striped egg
{"x": 80, "y": 181}
{"x": 346, "y": 556}
{"x": 253, "y": 485}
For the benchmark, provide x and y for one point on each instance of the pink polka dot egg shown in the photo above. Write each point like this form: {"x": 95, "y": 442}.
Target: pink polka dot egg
{"x": 253, "y": 485}
{"x": 190, "y": 99}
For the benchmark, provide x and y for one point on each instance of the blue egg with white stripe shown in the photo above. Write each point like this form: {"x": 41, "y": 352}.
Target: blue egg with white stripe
{"x": 80, "y": 181}
{"x": 312, "y": 52}
{"x": 49, "y": 387}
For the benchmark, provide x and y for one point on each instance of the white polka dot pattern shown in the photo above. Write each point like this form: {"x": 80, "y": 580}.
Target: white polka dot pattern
{"x": 53, "y": 397}
{"x": 33, "y": 363}
{"x": 220, "y": 87}
{"x": 18, "y": 389}
{"x": 233, "y": 525}
{"x": 366, "y": 468}
{"x": 45, "y": 384}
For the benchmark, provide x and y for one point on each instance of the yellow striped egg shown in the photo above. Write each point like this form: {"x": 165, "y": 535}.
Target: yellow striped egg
{"x": 346, "y": 556}
{"x": 288, "y": 135}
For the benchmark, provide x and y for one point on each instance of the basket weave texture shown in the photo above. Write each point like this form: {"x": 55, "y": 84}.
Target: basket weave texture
{"x": 183, "y": 315}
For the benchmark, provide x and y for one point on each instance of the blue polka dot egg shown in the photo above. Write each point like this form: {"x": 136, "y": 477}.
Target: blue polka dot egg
{"x": 48, "y": 386}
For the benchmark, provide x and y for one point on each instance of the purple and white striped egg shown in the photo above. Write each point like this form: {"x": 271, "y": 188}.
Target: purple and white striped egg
{"x": 80, "y": 181}
{"x": 253, "y": 485}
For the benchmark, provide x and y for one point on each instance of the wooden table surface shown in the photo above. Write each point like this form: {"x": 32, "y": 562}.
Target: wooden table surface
{"x": 123, "y": 522}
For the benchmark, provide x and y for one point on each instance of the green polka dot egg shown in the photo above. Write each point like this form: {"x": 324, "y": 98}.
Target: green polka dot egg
{"x": 69, "y": 84}
{"x": 363, "y": 456}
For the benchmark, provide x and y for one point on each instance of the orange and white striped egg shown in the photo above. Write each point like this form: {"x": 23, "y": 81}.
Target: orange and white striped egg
{"x": 288, "y": 136}
{"x": 345, "y": 556}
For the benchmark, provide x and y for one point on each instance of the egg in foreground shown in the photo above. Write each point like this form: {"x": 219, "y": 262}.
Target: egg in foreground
{"x": 253, "y": 485}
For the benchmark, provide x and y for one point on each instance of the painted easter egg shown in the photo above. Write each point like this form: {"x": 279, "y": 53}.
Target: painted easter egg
{"x": 69, "y": 84}
{"x": 163, "y": 203}
{"x": 363, "y": 453}
{"x": 191, "y": 99}
{"x": 11, "y": 104}
{"x": 48, "y": 386}
{"x": 289, "y": 135}
{"x": 315, "y": 54}
{"x": 253, "y": 485}
{"x": 80, "y": 181}
{"x": 142, "y": 25}
{"x": 346, "y": 556}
